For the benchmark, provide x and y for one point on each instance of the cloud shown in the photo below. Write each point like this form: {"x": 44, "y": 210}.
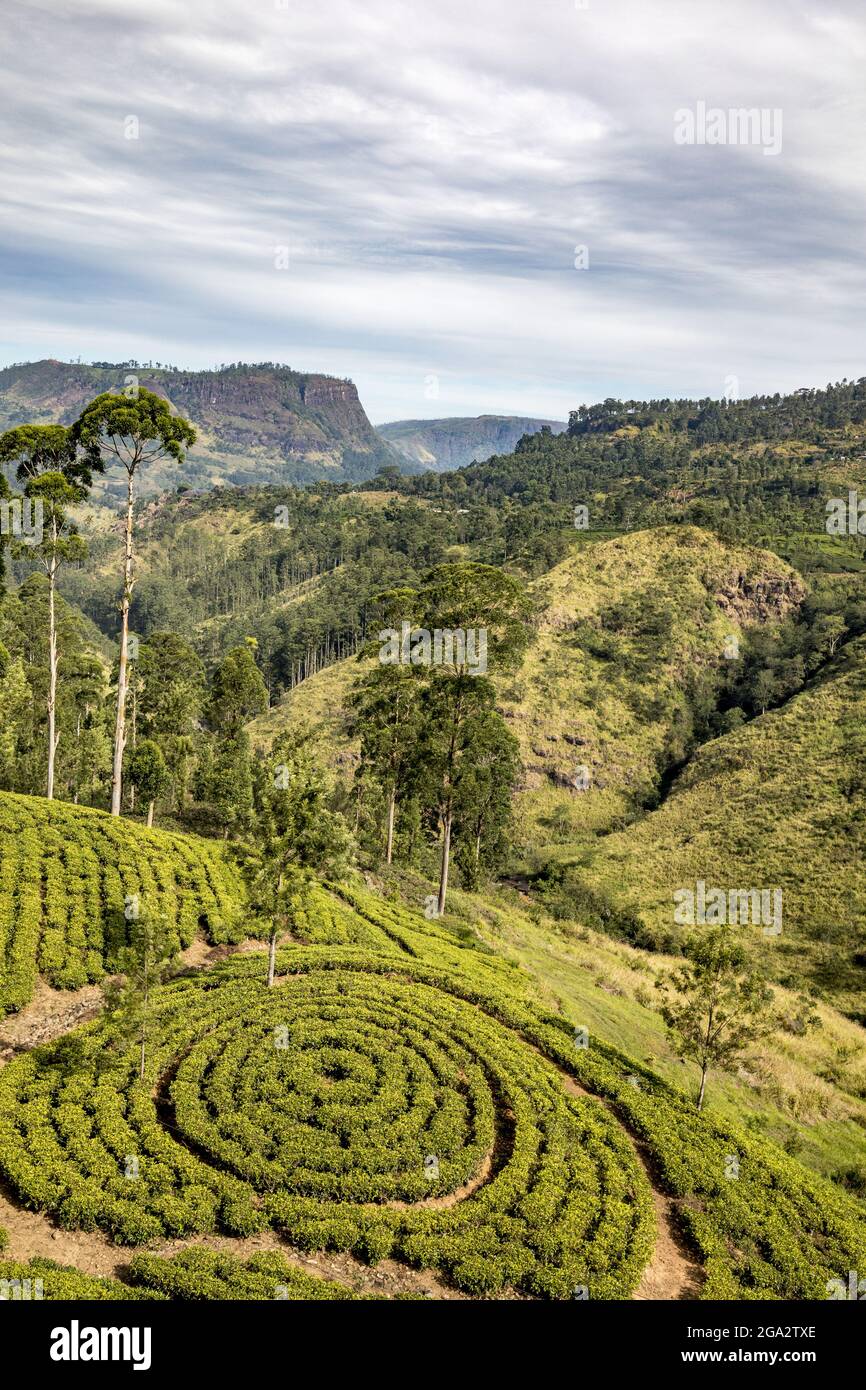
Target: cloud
{"x": 431, "y": 171}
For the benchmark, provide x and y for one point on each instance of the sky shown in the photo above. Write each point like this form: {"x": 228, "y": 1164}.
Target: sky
{"x": 466, "y": 207}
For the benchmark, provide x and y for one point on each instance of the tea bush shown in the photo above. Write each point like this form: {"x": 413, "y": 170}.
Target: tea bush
{"x": 67, "y": 875}
{"x": 397, "y": 1094}
{"x": 45, "y": 1280}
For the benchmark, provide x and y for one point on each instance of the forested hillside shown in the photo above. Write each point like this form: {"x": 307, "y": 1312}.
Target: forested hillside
{"x": 759, "y": 469}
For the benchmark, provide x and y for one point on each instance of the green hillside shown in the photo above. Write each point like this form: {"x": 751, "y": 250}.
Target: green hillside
{"x": 778, "y": 803}
{"x": 631, "y": 641}
{"x": 629, "y": 635}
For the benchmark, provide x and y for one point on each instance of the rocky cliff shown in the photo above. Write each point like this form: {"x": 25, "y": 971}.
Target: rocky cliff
{"x": 256, "y": 424}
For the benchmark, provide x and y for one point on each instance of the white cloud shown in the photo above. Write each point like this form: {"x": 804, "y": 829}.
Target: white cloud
{"x": 432, "y": 170}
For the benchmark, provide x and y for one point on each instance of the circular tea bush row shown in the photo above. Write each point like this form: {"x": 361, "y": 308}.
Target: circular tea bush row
{"x": 361, "y": 1105}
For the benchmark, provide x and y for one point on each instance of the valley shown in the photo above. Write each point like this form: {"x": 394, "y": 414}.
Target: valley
{"x": 390, "y": 980}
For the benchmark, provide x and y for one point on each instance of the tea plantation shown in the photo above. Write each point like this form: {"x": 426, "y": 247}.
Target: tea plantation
{"x": 68, "y": 876}
{"x": 398, "y": 1094}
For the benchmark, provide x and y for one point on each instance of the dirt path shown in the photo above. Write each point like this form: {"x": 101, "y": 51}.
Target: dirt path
{"x": 671, "y": 1274}
{"x": 31, "y": 1235}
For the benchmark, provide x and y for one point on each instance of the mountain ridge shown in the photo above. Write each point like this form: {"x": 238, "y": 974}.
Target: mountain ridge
{"x": 256, "y": 423}
{"x": 452, "y": 442}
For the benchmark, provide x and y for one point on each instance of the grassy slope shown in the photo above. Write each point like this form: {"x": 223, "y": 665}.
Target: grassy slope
{"x": 611, "y": 710}
{"x": 807, "y": 1092}
{"x": 316, "y": 704}
{"x": 780, "y": 803}
{"x": 625, "y": 626}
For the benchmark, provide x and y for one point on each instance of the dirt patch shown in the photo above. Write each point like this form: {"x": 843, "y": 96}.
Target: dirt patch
{"x": 198, "y": 953}
{"x": 201, "y": 954}
{"x": 50, "y": 1014}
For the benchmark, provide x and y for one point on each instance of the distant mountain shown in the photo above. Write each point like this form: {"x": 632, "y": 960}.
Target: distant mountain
{"x": 257, "y": 424}
{"x": 441, "y": 445}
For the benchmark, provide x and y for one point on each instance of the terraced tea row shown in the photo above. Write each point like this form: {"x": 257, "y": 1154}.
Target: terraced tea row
{"x": 71, "y": 877}
{"x": 194, "y": 1275}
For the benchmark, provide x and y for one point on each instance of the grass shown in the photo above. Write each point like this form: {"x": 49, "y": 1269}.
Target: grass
{"x": 777, "y": 803}
{"x": 806, "y": 1092}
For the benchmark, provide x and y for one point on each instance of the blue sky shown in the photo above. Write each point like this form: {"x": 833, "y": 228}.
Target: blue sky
{"x": 431, "y": 170}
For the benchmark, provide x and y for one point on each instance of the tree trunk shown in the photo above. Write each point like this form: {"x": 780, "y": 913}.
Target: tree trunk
{"x": 150, "y": 813}
{"x": 131, "y": 690}
{"x": 389, "y": 847}
{"x": 703, "y": 1084}
{"x": 144, "y": 1018}
{"x": 53, "y": 736}
{"x": 446, "y": 857}
{"x": 272, "y": 944}
{"x": 120, "y": 723}
{"x": 272, "y": 958}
